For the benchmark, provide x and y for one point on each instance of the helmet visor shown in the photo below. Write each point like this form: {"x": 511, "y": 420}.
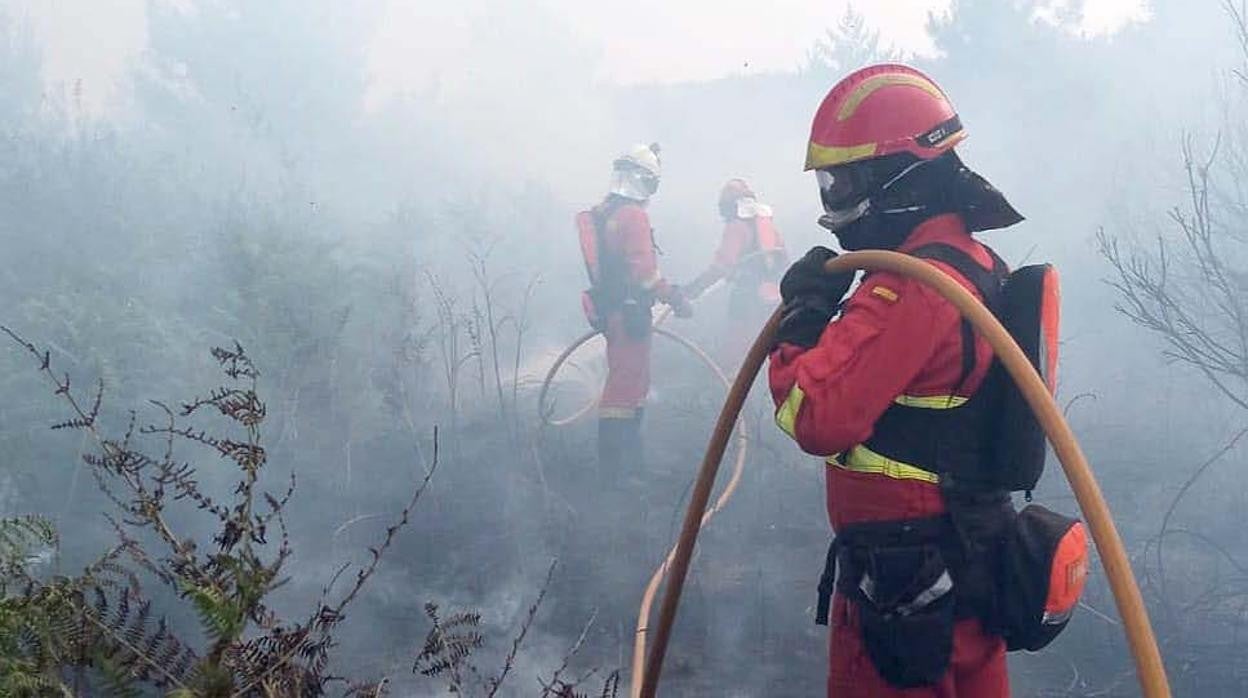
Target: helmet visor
{"x": 633, "y": 181}
{"x": 645, "y": 181}
{"x": 839, "y": 188}
{"x": 648, "y": 182}
{"x": 845, "y": 186}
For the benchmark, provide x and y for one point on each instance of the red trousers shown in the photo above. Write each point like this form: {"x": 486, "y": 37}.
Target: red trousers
{"x": 628, "y": 371}
{"x": 976, "y": 670}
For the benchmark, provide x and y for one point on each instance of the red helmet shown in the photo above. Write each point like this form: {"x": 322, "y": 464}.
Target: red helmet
{"x": 734, "y": 190}
{"x": 881, "y": 110}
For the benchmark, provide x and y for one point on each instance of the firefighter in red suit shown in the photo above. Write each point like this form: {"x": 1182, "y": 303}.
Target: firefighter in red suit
{"x": 750, "y": 257}
{"x": 882, "y": 147}
{"x": 627, "y": 282}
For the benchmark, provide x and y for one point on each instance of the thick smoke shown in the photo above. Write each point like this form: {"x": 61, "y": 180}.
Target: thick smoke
{"x": 378, "y": 204}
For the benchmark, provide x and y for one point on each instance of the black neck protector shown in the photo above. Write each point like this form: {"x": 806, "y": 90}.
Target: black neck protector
{"x": 934, "y": 188}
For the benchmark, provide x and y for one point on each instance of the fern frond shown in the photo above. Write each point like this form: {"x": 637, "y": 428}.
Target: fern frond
{"x": 449, "y": 643}
{"x": 23, "y": 683}
{"x": 117, "y": 676}
{"x": 219, "y": 617}
{"x": 122, "y": 638}
{"x": 20, "y": 537}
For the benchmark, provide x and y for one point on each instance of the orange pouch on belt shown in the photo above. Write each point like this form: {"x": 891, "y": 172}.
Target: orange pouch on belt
{"x": 1044, "y": 568}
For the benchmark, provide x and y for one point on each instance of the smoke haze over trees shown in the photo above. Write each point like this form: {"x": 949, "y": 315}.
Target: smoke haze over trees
{"x": 399, "y": 256}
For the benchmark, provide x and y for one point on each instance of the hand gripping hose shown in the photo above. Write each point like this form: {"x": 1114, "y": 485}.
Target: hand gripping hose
{"x": 1143, "y": 645}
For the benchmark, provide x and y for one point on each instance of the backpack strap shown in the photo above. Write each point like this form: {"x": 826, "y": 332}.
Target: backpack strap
{"x": 827, "y": 583}
{"x": 987, "y": 282}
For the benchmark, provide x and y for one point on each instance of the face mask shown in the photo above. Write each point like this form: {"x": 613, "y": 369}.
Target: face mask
{"x": 871, "y": 223}
{"x": 875, "y": 231}
{"x": 837, "y": 219}
{"x": 752, "y": 208}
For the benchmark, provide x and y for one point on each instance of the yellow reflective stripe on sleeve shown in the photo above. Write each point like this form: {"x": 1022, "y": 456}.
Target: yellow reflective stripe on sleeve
{"x": 786, "y": 416}
{"x": 863, "y": 460}
{"x": 931, "y": 402}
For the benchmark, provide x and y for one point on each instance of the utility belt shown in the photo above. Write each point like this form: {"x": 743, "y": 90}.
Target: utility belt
{"x": 599, "y": 302}
{"x": 911, "y": 580}
{"x": 853, "y": 553}
{"x": 899, "y": 576}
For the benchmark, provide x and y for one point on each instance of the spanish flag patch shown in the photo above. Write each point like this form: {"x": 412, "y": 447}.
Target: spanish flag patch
{"x": 886, "y": 293}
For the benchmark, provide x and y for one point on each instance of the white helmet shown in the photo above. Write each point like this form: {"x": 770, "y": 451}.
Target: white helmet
{"x": 635, "y": 174}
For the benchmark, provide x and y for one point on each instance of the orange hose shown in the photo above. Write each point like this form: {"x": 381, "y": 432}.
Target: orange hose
{"x": 1148, "y": 664}
{"x": 589, "y": 406}
{"x": 550, "y": 377}
{"x": 652, "y": 588}
{"x": 643, "y": 614}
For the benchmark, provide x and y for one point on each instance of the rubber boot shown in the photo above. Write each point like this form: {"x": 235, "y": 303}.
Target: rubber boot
{"x": 610, "y": 439}
{"x": 620, "y": 450}
{"x": 632, "y": 449}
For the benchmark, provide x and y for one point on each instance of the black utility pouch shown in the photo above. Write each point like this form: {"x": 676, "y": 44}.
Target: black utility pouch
{"x": 982, "y": 522}
{"x": 905, "y": 602}
{"x": 636, "y": 316}
{"x": 591, "y": 304}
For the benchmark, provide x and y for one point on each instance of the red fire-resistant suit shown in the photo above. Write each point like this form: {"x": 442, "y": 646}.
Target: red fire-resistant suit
{"x": 751, "y": 254}
{"x": 895, "y": 340}
{"x": 628, "y": 238}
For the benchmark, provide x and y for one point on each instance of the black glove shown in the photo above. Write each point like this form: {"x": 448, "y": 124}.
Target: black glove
{"x": 807, "y": 281}
{"x": 811, "y": 297}
{"x": 680, "y": 303}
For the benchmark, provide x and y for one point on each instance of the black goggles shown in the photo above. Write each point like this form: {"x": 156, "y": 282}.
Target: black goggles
{"x": 844, "y": 186}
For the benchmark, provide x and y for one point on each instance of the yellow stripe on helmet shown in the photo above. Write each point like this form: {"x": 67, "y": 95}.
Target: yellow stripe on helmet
{"x": 821, "y": 156}
{"x": 861, "y": 92}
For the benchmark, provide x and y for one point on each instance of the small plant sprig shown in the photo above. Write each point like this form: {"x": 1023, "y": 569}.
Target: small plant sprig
{"x": 447, "y": 654}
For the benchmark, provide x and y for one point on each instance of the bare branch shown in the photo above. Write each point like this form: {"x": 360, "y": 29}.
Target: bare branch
{"x": 509, "y": 661}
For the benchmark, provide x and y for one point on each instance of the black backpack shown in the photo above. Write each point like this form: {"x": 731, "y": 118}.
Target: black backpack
{"x": 1043, "y": 555}
{"x": 1026, "y": 302}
